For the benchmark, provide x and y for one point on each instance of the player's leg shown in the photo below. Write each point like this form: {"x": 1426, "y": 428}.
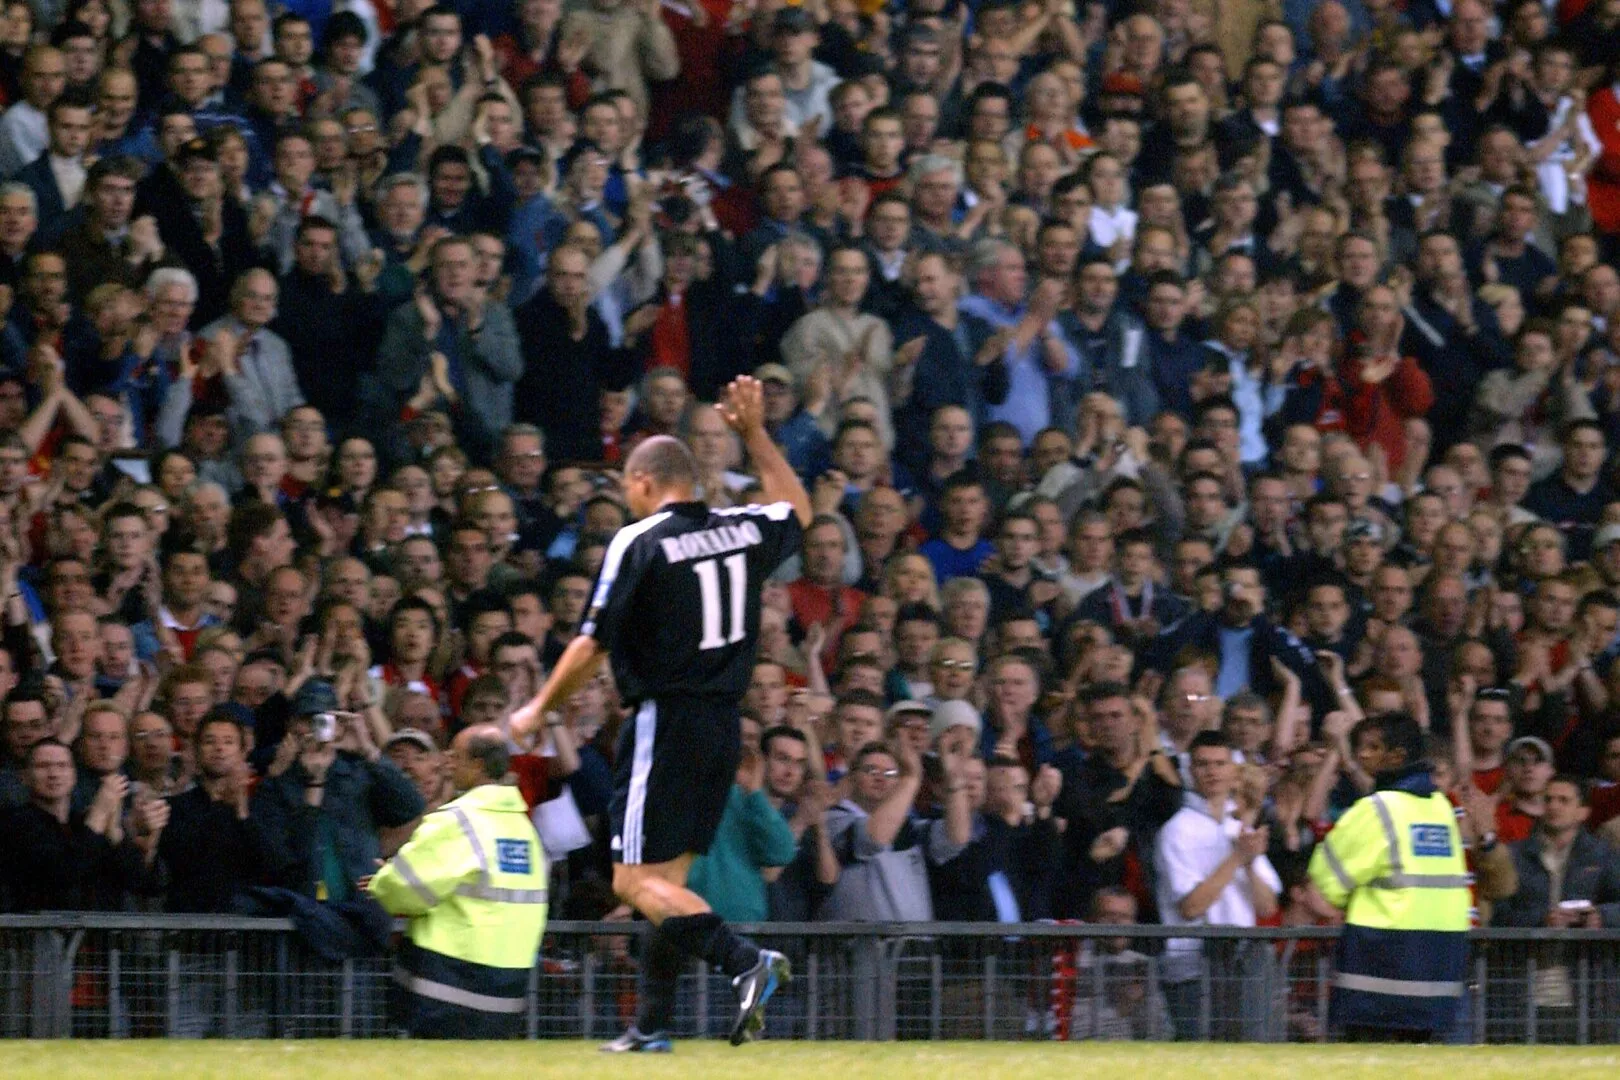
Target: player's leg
{"x": 681, "y": 916}
{"x": 684, "y": 926}
{"x": 633, "y": 882}
{"x": 658, "y": 890}
{"x": 678, "y": 765}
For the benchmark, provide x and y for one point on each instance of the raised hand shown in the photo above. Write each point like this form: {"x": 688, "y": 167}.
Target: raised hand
{"x": 828, "y": 491}
{"x": 439, "y": 369}
{"x": 1336, "y": 725}
{"x": 742, "y": 405}
{"x": 432, "y": 320}
{"x": 368, "y": 269}
{"x": 222, "y": 349}
{"x": 1045, "y": 788}
{"x": 144, "y": 242}
{"x": 907, "y": 354}
{"x": 1110, "y": 844}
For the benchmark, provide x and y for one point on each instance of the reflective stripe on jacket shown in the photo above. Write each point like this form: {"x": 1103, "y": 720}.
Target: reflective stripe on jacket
{"x": 472, "y": 881}
{"x": 1395, "y": 863}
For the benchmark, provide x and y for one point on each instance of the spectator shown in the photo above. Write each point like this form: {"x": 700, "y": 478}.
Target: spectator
{"x": 24, "y": 128}
{"x": 883, "y": 852}
{"x": 1246, "y": 643}
{"x": 319, "y": 818}
{"x": 1212, "y": 870}
{"x": 1115, "y": 800}
{"x": 26, "y": 723}
{"x": 58, "y": 859}
{"x": 212, "y": 848}
{"x": 1561, "y": 861}
{"x": 850, "y": 352}
{"x": 103, "y": 747}
{"x": 323, "y": 310}
{"x": 57, "y": 176}
{"x": 792, "y": 786}
{"x": 1007, "y": 871}
{"x": 958, "y": 549}
{"x": 1573, "y": 498}
{"x": 630, "y": 46}
{"x": 998, "y": 298}
{"x": 751, "y": 849}
{"x": 452, "y": 346}
{"x": 565, "y": 344}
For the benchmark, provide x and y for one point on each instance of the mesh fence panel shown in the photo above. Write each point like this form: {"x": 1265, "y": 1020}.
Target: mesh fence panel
{"x": 168, "y": 976}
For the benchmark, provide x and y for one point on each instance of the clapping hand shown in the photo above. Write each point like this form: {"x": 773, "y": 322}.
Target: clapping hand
{"x": 1251, "y": 843}
{"x": 1045, "y": 788}
{"x": 1110, "y": 844}
{"x": 431, "y": 319}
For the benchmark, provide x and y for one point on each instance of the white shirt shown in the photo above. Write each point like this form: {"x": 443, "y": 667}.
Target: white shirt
{"x": 1190, "y": 846}
{"x": 23, "y": 137}
{"x": 70, "y": 174}
{"x": 1108, "y": 226}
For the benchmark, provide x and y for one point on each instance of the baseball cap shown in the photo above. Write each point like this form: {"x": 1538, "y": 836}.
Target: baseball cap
{"x": 207, "y": 407}
{"x": 198, "y": 149}
{"x": 315, "y": 696}
{"x": 901, "y": 709}
{"x": 793, "y": 20}
{"x": 580, "y": 148}
{"x": 1121, "y": 82}
{"x": 236, "y": 711}
{"x": 1533, "y": 742}
{"x": 949, "y": 714}
{"x": 415, "y": 736}
{"x": 522, "y": 154}
{"x": 774, "y": 373}
{"x": 1607, "y": 535}
{"x": 1364, "y": 529}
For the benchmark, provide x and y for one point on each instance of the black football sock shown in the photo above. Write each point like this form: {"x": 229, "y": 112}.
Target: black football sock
{"x": 660, "y": 971}
{"x": 708, "y": 937}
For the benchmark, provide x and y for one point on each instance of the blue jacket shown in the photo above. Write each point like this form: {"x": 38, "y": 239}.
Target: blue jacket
{"x": 53, "y": 212}
{"x": 1592, "y": 873}
{"x": 803, "y": 444}
{"x": 945, "y": 374}
{"x": 302, "y": 843}
{"x": 1200, "y": 631}
{"x": 1040, "y": 741}
{"x": 1403, "y": 960}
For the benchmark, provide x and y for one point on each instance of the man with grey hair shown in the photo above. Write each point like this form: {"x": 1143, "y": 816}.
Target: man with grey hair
{"x": 19, "y": 220}
{"x": 475, "y": 864}
{"x": 936, "y": 184}
{"x": 402, "y": 200}
{"x": 253, "y": 360}
{"x": 520, "y": 464}
{"x": 1036, "y": 351}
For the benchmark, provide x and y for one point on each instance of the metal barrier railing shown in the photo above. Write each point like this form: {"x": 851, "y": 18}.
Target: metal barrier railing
{"x": 127, "y": 976}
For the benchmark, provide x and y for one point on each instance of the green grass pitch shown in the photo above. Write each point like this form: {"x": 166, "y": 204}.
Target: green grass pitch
{"x": 140, "y": 1060}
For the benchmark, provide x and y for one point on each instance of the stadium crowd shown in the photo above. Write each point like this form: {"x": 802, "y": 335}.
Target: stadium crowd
{"x": 1184, "y": 386}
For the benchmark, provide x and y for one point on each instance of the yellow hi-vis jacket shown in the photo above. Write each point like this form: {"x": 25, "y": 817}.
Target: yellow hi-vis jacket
{"x": 472, "y": 881}
{"x": 1395, "y": 863}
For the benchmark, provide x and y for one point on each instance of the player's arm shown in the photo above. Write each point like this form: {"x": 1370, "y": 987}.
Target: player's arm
{"x": 743, "y": 406}
{"x": 616, "y": 582}
{"x": 574, "y": 669}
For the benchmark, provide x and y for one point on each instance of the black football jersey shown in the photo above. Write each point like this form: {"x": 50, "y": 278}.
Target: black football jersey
{"x": 677, "y": 602}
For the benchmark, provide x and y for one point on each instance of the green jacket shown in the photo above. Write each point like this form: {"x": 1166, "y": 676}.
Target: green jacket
{"x": 753, "y": 836}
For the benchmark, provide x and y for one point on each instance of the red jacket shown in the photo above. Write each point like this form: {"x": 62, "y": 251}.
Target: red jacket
{"x": 1603, "y": 184}
{"x": 1374, "y": 412}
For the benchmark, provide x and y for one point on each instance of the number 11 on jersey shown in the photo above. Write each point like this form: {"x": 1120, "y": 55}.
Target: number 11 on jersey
{"x": 708, "y": 573}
